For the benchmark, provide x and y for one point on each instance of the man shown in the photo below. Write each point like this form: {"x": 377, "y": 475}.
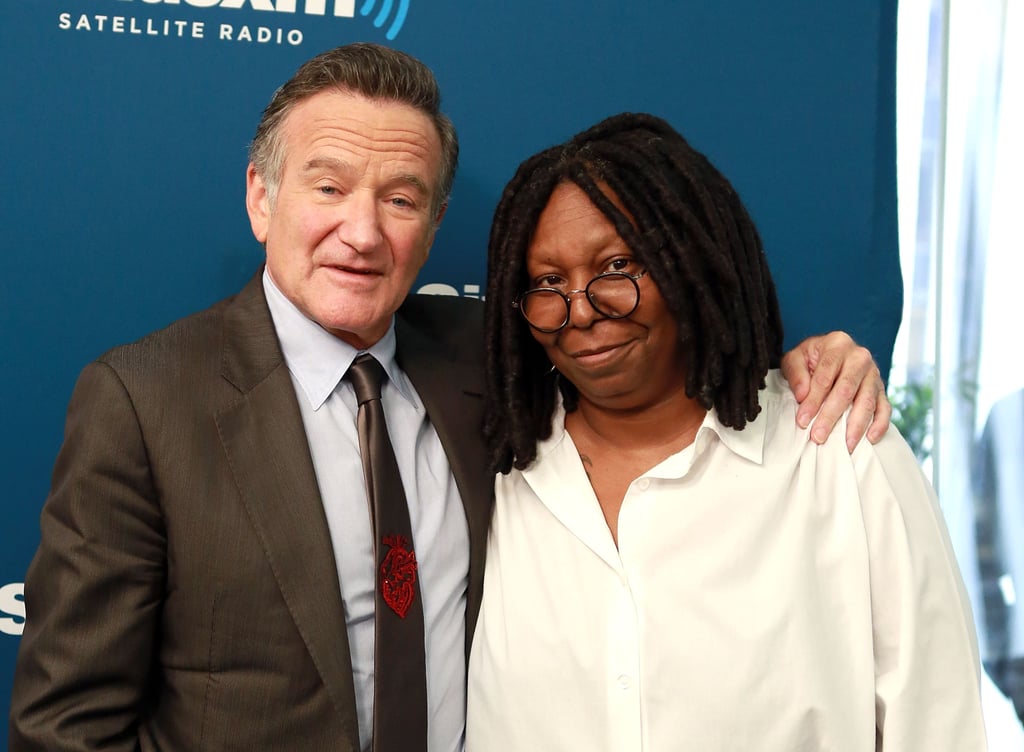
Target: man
{"x": 205, "y": 578}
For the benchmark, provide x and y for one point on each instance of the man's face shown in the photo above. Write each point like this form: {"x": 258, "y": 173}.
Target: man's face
{"x": 352, "y": 222}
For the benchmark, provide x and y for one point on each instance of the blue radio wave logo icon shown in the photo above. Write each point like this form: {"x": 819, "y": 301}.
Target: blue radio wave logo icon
{"x": 382, "y": 14}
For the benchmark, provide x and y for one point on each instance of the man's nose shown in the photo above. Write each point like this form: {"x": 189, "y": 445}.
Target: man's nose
{"x": 359, "y": 224}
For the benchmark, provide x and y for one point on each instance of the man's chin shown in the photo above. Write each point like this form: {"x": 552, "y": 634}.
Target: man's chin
{"x": 359, "y": 331}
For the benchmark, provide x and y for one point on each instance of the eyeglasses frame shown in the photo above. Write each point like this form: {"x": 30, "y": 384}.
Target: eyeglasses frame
{"x": 634, "y": 278}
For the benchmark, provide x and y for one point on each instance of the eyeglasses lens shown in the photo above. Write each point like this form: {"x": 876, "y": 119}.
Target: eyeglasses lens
{"x": 545, "y": 309}
{"x": 613, "y": 295}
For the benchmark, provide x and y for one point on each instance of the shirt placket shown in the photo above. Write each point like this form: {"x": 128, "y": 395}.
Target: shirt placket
{"x": 625, "y": 717}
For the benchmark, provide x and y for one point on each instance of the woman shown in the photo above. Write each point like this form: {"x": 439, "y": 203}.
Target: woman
{"x": 672, "y": 565}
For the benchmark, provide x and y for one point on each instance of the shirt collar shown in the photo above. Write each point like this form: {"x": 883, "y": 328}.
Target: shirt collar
{"x": 748, "y": 443}
{"x": 317, "y": 359}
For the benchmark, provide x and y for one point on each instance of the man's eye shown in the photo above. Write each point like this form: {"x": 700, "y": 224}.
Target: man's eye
{"x": 327, "y": 190}
{"x": 402, "y": 202}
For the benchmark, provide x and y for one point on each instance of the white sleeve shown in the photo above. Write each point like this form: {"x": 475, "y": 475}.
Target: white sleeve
{"x": 927, "y": 675}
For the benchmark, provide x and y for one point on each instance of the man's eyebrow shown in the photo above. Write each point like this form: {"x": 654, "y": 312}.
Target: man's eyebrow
{"x": 334, "y": 164}
{"x": 414, "y": 180}
{"x": 329, "y": 163}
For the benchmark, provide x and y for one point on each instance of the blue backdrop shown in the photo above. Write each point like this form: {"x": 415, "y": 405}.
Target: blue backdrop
{"x": 123, "y": 148}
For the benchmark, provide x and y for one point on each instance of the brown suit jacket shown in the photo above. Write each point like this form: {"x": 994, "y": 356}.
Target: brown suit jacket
{"x": 185, "y": 594}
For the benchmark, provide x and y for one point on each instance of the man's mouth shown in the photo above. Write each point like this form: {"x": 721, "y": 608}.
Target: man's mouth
{"x": 353, "y": 270}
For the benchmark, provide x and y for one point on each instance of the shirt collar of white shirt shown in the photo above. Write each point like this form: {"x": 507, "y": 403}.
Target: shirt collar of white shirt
{"x": 317, "y": 359}
{"x": 748, "y": 443}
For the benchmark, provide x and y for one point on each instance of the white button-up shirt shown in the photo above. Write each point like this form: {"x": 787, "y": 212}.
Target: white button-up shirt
{"x": 766, "y": 595}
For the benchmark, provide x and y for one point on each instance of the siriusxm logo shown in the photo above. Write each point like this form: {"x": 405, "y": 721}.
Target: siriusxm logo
{"x": 12, "y": 608}
{"x": 382, "y": 15}
{"x": 338, "y": 8}
{"x": 440, "y": 288}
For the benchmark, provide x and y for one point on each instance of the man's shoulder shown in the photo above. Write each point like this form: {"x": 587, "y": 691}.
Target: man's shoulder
{"x": 442, "y": 309}
{"x": 187, "y": 332}
{"x": 447, "y": 316}
{"x": 449, "y": 328}
{"x": 185, "y": 340}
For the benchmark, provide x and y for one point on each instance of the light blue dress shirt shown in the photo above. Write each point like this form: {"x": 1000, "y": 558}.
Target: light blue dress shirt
{"x": 317, "y": 361}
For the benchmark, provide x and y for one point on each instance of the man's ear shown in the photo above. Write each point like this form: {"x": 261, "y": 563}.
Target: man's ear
{"x": 440, "y": 215}
{"x": 257, "y": 203}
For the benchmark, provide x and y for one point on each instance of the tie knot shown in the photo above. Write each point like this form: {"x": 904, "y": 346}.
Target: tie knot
{"x": 366, "y": 375}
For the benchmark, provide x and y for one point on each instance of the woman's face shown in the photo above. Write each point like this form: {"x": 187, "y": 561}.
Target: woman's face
{"x": 625, "y": 363}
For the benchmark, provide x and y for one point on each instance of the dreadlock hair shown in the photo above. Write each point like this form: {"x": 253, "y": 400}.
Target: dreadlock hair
{"x": 685, "y": 224}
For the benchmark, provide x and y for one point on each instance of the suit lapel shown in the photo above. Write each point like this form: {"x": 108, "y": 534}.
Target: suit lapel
{"x": 265, "y": 442}
{"x": 452, "y": 394}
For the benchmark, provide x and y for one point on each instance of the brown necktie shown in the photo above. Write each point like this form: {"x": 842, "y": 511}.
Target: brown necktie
{"x": 400, "y": 680}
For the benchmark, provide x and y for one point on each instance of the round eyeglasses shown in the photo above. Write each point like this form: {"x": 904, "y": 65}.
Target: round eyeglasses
{"x": 612, "y": 294}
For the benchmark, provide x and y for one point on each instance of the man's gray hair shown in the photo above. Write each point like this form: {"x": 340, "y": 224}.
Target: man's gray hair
{"x": 372, "y": 71}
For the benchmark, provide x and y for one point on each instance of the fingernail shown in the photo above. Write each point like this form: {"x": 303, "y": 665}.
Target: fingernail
{"x": 803, "y": 419}
{"x": 819, "y": 435}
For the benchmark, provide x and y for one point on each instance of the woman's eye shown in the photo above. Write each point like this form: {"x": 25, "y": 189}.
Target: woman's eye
{"x": 620, "y": 264}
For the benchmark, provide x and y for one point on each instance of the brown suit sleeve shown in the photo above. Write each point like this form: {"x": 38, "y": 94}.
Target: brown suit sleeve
{"x": 94, "y": 590}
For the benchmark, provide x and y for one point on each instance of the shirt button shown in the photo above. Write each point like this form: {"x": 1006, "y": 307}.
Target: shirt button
{"x": 643, "y": 484}
{"x": 624, "y": 681}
